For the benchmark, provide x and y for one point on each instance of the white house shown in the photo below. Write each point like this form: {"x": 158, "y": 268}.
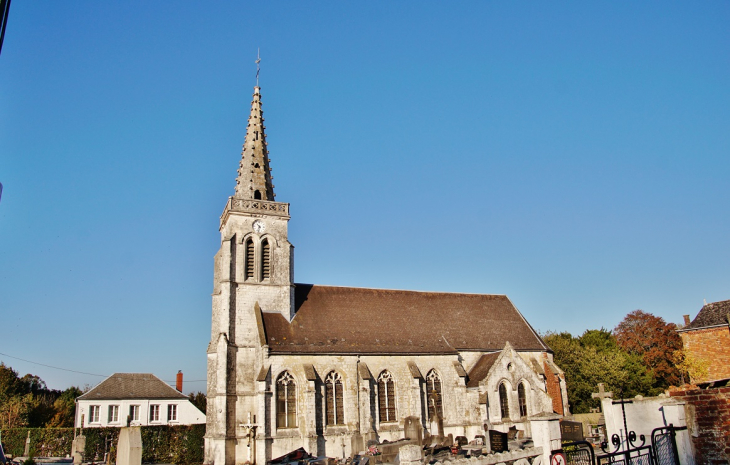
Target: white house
{"x": 140, "y": 399}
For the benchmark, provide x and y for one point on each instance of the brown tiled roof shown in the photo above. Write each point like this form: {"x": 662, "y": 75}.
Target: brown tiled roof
{"x": 713, "y": 314}
{"x": 480, "y": 370}
{"x": 369, "y": 321}
{"x": 132, "y": 386}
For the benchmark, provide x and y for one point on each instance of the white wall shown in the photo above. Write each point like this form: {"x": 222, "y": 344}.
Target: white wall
{"x": 643, "y": 415}
{"x": 187, "y": 413}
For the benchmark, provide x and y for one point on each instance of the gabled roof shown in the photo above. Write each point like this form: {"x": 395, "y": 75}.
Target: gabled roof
{"x": 132, "y": 386}
{"x": 712, "y": 314}
{"x": 350, "y": 320}
{"x": 480, "y": 370}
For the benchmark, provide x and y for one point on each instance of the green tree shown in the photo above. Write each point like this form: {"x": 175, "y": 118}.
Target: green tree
{"x": 199, "y": 400}
{"x": 65, "y": 408}
{"x": 596, "y": 358}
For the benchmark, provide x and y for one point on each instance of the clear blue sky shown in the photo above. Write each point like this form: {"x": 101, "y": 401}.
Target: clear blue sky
{"x": 573, "y": 156}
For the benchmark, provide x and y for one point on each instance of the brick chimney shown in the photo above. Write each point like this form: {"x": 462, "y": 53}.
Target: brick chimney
{"x": 178, "y": 381}
{"x": 686, "y": 319}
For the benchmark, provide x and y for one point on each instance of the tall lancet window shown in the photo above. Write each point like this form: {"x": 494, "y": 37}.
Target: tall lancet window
{"x": 522, "y": 399}
{"x": 265, "y": 259}
{"x": 503, "y": 401}
{"x": 333, "y": 397}
{"x": 386, "y": 397}
{"x": 250, "y": 263}
{"x": 286, "y": 401}
{"x": 433, "y": 395}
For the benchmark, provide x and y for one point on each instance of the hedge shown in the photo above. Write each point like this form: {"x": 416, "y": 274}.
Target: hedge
{"x": 160, "y": 444}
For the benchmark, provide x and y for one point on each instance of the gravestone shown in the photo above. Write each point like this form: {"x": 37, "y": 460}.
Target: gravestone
{"x": 410, "y": 454}
{"x": 571, "y": 431}
{"x": 26, "y": 451}
{"x": 77, "y": 448}
{"x": 497, "y": 441}
{"x": 413, "y": 430}
{"x": 129, "y": 447}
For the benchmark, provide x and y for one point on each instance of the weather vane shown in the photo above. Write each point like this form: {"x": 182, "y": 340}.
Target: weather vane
{"x": 258, "y": 68}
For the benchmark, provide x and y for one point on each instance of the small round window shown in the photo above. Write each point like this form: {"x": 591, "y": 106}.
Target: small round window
{"x": 510, "y": 367}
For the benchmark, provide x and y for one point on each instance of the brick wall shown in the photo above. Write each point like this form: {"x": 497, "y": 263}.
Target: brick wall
{"x": 553, "y": 388}
{"x": 713, "y": 346}
{"x": 709, "y": 423}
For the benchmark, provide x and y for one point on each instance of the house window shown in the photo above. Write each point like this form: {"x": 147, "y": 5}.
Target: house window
{"x": 522, "y": 400}
{"x": 503, "y": 401}
{"x": 265, "y": 259}
{"x": 134, "y": 412}
{"x": 433, "y": 395}
{"x": 286, "y": 401}
{"x": 249, "y": 259}
{"x": 172, "y": 412}
{"x": 333, "y": 397}
{"x": 94, "y": 413}
{"x": 386, "y": 397}
{"x": 154, "y": 412}
{"x": 113, "y": 414}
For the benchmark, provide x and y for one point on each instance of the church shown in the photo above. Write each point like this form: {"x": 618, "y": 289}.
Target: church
{"x": 331, "y": 368}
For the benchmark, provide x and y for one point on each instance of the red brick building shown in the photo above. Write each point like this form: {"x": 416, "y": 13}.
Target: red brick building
{"x": 707, "y": 338}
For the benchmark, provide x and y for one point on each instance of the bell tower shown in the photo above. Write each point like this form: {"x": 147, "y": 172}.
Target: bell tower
{"x": 253, "y": 274}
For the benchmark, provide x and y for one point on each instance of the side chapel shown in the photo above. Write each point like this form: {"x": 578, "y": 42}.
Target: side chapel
{"x": 329, "y": 368}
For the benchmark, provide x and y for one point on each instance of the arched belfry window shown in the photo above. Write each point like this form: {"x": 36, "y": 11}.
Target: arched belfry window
{"x": 250, "y": 268}
{"x": 286, "y": 401}
{"x": 433, "y": 395}
{"x": 257, "y": 195}
{"x": 503, "y": 401}
{"x": 333, "y": 399}
{"x": 522, "y": 399}
{"x": 386, "y": 397}
{"x": 265, "y": 259}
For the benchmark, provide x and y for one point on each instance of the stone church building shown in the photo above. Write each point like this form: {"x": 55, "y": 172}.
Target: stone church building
{"x": 329, "y": 368}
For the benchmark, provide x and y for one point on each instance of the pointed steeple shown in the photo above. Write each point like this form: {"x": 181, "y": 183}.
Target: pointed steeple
{"x": 254, "y": 174}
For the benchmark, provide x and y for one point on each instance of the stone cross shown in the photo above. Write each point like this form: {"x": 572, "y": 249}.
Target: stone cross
{"x": 601, "y": 394}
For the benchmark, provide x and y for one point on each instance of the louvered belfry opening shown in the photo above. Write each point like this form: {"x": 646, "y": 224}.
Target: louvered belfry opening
{"x": 249, "y": 259}
{"x": 265, "y": 259}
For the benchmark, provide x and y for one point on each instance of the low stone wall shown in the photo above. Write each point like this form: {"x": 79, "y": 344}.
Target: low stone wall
{"x": 528, "y": 456}
{"x": 708, "y": 420}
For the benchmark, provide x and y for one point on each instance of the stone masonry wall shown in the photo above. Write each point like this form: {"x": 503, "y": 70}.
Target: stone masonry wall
{"x": 709, "y": 423}
{"x": 713, "y": 346}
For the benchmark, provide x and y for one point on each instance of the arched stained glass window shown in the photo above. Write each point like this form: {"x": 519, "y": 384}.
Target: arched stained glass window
{"x": 503, "y": 401}
{"x": 286, "y": 401}
{"x": 522, "y": 399}
{"x": 433, "y": 395}
{"x": 386, "y": 397}
{"x": 333, "y": 399}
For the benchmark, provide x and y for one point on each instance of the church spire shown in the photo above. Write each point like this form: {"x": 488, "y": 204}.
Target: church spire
{"x": 254, "y": 175}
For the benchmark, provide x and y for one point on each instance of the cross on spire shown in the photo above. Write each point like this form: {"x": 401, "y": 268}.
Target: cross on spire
{"x": 258, "y": 68}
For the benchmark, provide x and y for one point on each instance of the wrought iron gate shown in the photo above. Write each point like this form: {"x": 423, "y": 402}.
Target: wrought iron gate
{"x": 661, "y": 451}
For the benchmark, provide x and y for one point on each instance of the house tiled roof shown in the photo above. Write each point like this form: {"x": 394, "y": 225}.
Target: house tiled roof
{"x": 480, "y": 370}
{"x": 332, "y": 319}
{"x": 132, "y": 386}
{"x": 713, "y": 314}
